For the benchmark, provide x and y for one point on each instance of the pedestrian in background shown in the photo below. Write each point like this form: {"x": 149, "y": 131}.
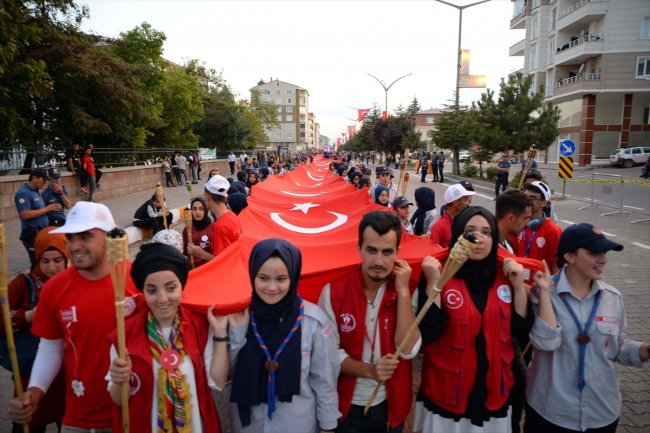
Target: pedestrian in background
{"x": 194, "y": 165}
{"x": 73, "y": 157}
{"x": 503, "y": 169}
{"x": 56, "y": 193}
{"x": 181, "y": 161}
{"x": 434, "y": 166}
{"x": 168, "y": 171}
{"x": 89, "y": 166}
{"x": 231, "y": 162}
{"x": 441, "y": 166}
{"x": 174, "y": 165}
{"x": 32, "y": 210}
{"x": 98, "y": 172}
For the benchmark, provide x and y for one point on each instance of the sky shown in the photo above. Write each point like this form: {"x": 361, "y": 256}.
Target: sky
{"x": 327, "y": 47}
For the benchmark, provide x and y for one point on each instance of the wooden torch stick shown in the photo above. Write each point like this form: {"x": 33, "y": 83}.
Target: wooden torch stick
{"x": 457, "y": 257}
{"x": 532, "y": 152}
{"x": 188, "y": 227}
{"x": 118, "y": 257}
{"x": 402, "y": 170}
{"x": 161, "y": 200}
{"x": 405, "y": 185}
{"x": 6, "y": 315}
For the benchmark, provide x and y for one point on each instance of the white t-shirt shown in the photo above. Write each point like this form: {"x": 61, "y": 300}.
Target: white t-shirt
{"x": 231, "y": 157}
{"x": 187, "y": 369}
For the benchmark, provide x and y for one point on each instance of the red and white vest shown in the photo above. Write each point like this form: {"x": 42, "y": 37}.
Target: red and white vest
{"x": 349, "y": 303}
{"x": 449, "y": 364}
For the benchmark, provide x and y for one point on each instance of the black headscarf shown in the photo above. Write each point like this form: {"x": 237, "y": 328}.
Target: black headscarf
{"x": 354, "y": 175}
{"x": 274, "y": 322}
{"x": 237, "y": 202}
{"x": 202, "y": 224}
{"x": 426, "y": 200}
{"x": 257, "y": 178}
{"x": 341, "y": 168}
{"x": 378, "y": 190}
{"x": 363, "y": 181}
{"x": 156, "y": 257}
{"x": 241, "y": 176}
{"x": 479, "y": 276}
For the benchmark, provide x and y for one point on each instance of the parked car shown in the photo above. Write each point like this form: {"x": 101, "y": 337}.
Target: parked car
{"x": 463, "y": 156}
{"x": 628, "y": 157}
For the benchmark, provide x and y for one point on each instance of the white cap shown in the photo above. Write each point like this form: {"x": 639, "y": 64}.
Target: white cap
{"x": 218, "y": 185}
{"x": 455, "y": 192}
{"x": 544, "y": 188}
{"x": 86, "y": 216}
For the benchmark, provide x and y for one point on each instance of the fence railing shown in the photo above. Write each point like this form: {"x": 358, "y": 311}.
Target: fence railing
{"x": 577, "y": 78}
{"x": 577, "y": 6}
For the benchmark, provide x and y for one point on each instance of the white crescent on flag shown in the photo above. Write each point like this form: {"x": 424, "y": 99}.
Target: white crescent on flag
{"x": 340, "y": 220}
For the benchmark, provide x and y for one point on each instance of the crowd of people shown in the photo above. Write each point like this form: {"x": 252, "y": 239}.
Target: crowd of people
{"x": 493, "y": 346}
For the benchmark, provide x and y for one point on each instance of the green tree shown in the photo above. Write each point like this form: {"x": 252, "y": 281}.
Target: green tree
{"x": 414, "y": 106}
{"x": 516, "y": 120}
{"x": 449, "y": 132}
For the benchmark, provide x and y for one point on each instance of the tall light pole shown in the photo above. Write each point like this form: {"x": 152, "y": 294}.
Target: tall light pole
{"x": 460, "y": 32}
{"x": 387, "y": 88}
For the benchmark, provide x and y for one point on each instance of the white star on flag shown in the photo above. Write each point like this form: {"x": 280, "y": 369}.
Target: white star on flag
{"x": 304, "y": 207}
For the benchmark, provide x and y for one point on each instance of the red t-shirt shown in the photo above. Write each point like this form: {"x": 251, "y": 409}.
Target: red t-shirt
{"x": 227, "y": 230}
{"x": 82, "y": 312}
{"x": 90, "y": 167}
{"x": 441, "y": 231}
{"x": 543, "y": 242}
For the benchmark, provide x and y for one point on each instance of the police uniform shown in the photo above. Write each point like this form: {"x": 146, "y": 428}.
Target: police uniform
{"x": 28, "y": 198}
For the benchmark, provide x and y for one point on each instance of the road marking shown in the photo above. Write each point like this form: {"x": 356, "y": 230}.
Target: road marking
{"x": 587, "y": 198}
{"x": 568, "y": 222}
{"x": 609, "y": 234}
{"x": 641, "y": 245}
{"x": 632, "y": 207}
{"x": 559, "y": 193}
{"x": 481, "y": 195}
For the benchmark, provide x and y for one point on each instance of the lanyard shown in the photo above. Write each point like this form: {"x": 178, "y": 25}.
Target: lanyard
{"x": 583, "y": 337}
{"x": 530, "y": 242}
{"x": 372, "y": 343}
{"x": 272, "y": 364}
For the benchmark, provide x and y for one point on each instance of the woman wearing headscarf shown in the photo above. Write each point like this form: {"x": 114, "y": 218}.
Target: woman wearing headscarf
{"x": 286, "y": 373}
{"x": 175, "y": 354}
{"x": 364, "y": 183}
{"x": 422, "y": 219}
{"x": 579, "y": 336}
{"x": 23, "y": 295}
{"x": 237, "y": 202}
{"x": 466, "y": 369}
{"x": 242, "y": 177}
{"x": 264, "y": 173}
{"x": 253, "y": 178}
{"x": 342, "y": 170}
{"x": 202, "y": 233}
{"x": 382, "y": 196}
{"x": 354, "y": 178}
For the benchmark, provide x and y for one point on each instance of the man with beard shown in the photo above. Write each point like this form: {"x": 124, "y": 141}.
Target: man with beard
{"x": 372, "y": 312}
{"x": 75, "y": 314}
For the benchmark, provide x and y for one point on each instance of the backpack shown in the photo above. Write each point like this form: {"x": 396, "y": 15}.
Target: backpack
{"x": 26, "y": 343}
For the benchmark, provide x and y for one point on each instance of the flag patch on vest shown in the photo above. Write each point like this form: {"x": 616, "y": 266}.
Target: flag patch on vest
{"x": 505, "y": 294}
{"x": 453, "y": 299}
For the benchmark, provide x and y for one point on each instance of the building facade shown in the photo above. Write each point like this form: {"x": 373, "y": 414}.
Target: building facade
{"x": 592, "y": 58}
{"x": 426, "y": 121}
{"x": 293, "y": 109}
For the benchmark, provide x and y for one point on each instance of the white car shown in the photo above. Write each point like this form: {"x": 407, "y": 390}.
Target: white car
{"x": 628, "y": 157}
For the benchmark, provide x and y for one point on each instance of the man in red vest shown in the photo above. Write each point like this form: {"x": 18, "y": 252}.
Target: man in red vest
{"x": 372, "y": 309}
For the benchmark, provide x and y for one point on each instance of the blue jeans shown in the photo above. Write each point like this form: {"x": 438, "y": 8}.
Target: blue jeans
{"x": 184, "y": 173}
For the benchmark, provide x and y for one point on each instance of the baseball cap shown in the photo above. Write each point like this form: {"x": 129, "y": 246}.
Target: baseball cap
{"x": 40, "y": 172}
{"x": 467, "y": 185}
{"x": 218, "y": 185}
{"x": 400, "y": 201}
{"x": 505, "y": 155}
{"x": 384, "y": 171}
{"x": 86, "y": 216}
{"x": 367, "y": 171}
{"x": 544, "y": 188}
{"x": 53, "y": 173}
{"x": 455, "y": 192}
{"x": 585, "y": 236}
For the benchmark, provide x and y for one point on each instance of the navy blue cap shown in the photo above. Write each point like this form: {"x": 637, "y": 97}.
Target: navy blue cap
{"x": 467, "y": 185}
{"x": 585, "y": 236}
{"x": 400, "y": 201}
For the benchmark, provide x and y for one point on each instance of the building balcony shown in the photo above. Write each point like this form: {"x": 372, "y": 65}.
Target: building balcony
{"x": 516, "y": 69}
{"x": 517, "y": 49}
{"x": 518, "y": 20}
{"x": 579, "y": 50}
{"x": 576, "y": 84}
{"x": 579, "y": 14}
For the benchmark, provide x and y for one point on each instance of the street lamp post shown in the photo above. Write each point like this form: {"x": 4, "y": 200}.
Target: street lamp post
{"x": 456, "y": 167}
{"x": 387, "y": 88}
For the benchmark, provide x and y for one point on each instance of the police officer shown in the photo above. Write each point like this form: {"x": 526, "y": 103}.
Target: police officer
{"x": 32, "y": 211}
{"x": 503, "y": 168}
{"x": 56, "y": 193}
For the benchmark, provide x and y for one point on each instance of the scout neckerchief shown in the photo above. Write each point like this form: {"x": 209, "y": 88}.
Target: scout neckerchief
{"x": 583, "y": 336}
{"x": 174, "y": 408}
{"x": 272, "y": 364}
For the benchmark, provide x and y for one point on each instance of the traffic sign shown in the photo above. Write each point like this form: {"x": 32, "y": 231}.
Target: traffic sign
{"x": 567, "y": 147}
{"x": 565, "y": 169}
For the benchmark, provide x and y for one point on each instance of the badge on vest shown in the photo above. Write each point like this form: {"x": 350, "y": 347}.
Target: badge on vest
{"x": 505, "y": 294}
{"x": 349, "y": 322}
{"x": 129, "y": 306}
{"x": 540, "y": 242}
{"x": 453, "y": 299}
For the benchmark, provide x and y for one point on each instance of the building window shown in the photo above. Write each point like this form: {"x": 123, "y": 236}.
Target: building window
{"x": 534, "y": 29}
{"x": 278, "y": 92}
{"x": 289, "y": 134}
{"x": 551, "y": 52}
{"x": 643, "y": 67}
{"x": 278, "y": 135}
{"x": 303, "y": 110}
{"x": 645, "y": 27}
{"x": 549, "y": 84}
{"x": 266, "y": 91}
{"x": 267, "y": 100}
{"x": 429, "y": 120}
{"x": 289, "y": 101}
{"x": 533, "y": 59}
{"x": 302, "y": 126}
{"x": 278, "y": 109}
{"x": 289, "y": 118}
{"x": 289, "y": 125}
{"x": 279, "y": 117}
{"x": 289, "y": 92}
{"x": 552, "y": 19}
{"x": 278, "y": 128}
{"x": 289, "y": 109}
{"x": 278, "y": 101}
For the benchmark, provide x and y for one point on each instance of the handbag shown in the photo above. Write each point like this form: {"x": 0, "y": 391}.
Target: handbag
{"x": 26, "y": 343}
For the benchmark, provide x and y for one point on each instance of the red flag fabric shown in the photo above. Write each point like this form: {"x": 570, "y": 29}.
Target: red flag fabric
{"x": 338, "y": 141}
{"x": 362, "y": 113}
{"x": 351, "y": 131}
{"x": 320, "y": 214}
{"x": 383, "y": 116}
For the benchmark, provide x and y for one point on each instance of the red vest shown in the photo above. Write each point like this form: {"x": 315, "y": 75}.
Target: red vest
{"x": 449, "y": 364}
{"x": 349, "y": 303}
{"x": 194, "y": 330}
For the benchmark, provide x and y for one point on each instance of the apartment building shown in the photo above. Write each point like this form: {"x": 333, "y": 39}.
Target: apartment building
{"x": 593, "y": 59}
{"x": 316, "y": 136}
{"x": 311, "y": 130}
{"x": 425, "y": 121}
{"x": 293, "y": 109}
